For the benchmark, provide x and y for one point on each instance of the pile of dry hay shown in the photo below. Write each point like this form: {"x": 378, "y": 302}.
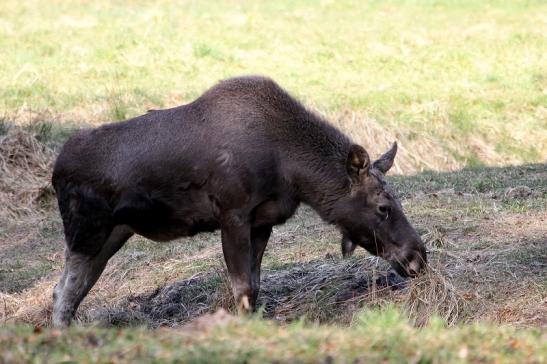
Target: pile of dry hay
{"x": 25, "y": 172}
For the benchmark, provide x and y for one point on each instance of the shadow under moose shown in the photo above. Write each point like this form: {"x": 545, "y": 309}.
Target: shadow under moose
{"x": 322, "y": 290}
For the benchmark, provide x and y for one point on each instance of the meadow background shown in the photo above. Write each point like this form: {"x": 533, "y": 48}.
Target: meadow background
{"x": 461, "y": 85}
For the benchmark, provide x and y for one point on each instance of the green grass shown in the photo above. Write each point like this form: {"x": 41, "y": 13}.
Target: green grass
{"x": 374, "y": 337}
{"x": 447, "y": 70}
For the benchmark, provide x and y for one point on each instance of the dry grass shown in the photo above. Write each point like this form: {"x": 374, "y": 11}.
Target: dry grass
{"x": 434, "y": 293}
{"x": 417, "y": 152}
{"x": 25, "y": 169}
{"x": 414, "y": 154}
{"x": 33, "y": 306}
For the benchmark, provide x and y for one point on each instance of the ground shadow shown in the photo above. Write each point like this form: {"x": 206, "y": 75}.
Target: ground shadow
{"x": 287, "y": 293}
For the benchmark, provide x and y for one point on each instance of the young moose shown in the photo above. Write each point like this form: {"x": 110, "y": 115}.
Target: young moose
{"x": 240, "y": 158}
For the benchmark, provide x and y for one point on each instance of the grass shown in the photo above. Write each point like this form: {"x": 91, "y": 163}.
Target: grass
{"x": 469, "y": 77}
{"x": 462, "y": 85}
{"x": 375, "y": 336}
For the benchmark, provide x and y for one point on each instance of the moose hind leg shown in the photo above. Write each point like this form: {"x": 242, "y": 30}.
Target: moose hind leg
{"x": 80, "y": 274}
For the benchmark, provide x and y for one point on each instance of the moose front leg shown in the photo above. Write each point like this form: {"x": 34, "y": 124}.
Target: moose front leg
{"x": 259, "y": 240}
{"x": 348, "y": 247}
{"x": 237, "y": 249}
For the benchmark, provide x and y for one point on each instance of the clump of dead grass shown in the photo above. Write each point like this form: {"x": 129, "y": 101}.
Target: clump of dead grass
{"x": 436, "y": 237}
{"x": 33, "y": 306}
{"x": 8, "y": 304}
{"x": 25, "y": 170}
{"x": 433, "y": 293}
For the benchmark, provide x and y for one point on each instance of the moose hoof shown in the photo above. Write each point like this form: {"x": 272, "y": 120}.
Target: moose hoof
{"x": 61, "y": 317}
{"x": 61, "y": 321}
{"x": 243, "y": 305}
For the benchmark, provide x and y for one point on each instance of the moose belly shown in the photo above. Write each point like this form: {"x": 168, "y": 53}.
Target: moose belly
{"x": 167, "y": 231}
{"x": 273, "y": 212}
{"x": 165, "y": 220}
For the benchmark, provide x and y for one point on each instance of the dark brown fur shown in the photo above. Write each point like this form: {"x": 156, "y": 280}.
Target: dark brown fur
{"x": 240, "y": 158}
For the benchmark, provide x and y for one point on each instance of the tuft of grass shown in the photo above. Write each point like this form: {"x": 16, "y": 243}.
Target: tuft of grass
{"x": 117, "y": 106}
{"x": 25, "y": 165}
{"x": 433, "y": 294}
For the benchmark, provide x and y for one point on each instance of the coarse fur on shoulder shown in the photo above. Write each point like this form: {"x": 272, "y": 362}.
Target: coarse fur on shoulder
{"x": 260, "y": 99}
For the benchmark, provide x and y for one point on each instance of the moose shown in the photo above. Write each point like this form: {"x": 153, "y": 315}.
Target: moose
{"x": 239, "y": 158}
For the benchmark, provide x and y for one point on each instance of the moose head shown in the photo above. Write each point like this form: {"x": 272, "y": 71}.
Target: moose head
{"x": 372, "y": 217}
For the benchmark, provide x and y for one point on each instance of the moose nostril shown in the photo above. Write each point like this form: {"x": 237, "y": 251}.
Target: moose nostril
{"x": 414, "y": 268}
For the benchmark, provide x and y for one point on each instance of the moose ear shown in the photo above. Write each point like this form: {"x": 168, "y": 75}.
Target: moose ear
{"x": 385, "y": 162}
{"x": 358, "y": 161}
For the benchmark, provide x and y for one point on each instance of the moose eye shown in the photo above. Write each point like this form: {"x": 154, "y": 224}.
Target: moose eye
{"x": 383, "y": 210}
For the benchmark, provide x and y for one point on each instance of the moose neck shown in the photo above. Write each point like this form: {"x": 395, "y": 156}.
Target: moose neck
{"x": 321, "y": 190}
{"x": 318, "y": 163}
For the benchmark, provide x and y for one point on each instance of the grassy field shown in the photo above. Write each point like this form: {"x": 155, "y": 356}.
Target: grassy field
{"x": 462, "y": 85}
{"x": 468, "y": 77}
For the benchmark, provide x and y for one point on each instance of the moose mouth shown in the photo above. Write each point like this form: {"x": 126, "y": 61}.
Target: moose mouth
{"x": 411, "y": 266}
{"x": 403, "y": 271}
{"x": 407, "y": 263}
